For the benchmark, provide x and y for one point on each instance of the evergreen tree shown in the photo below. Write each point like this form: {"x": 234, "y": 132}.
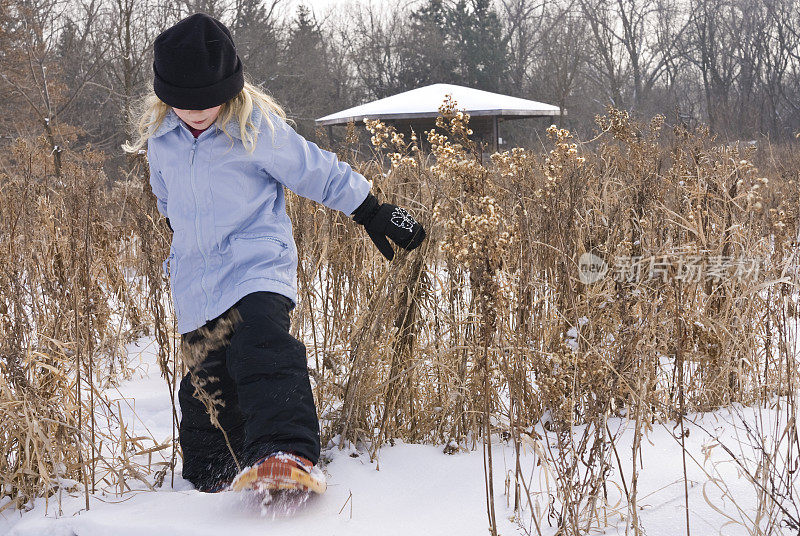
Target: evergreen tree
{"x": 429, "y": 55}
{"x": 462, "y": 44}
{"x": 214, "y": 8}
{"x": 306, "y": 85}
{"x": 477, "y": 35}
{"x": 257, "y": 37}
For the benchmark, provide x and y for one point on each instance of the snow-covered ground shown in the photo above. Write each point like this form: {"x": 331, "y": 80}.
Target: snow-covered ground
{"x": 410, "y": 489}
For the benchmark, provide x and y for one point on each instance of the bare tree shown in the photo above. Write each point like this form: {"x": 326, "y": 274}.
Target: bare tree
{"x": 563, "y": 58}
{"x": 76, "y": 65}
{"x": 528, "y": 24}
{"x": 635, "y": 41}
{"x": 31, "y": 78}
{"x": 373, "y": 37}
{"x": 782, "y": 44}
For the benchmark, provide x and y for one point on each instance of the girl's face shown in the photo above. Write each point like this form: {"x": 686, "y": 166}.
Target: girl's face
{"x": 198, "y": 119}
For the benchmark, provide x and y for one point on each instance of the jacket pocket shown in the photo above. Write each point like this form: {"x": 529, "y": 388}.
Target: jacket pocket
{"x": 259, "y": 256}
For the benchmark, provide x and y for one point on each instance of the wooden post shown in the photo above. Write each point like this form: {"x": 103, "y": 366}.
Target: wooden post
{"x": 330, "y": 135}
{"x": 495, "y": 128}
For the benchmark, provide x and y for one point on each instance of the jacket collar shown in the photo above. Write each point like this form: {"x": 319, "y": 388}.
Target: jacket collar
{"x": 172, "y": 121}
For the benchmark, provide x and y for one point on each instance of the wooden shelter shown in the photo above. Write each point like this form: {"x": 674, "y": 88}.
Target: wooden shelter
{"x": 419, "y": 108}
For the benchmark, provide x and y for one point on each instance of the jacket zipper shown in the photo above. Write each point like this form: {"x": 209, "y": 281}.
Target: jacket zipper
{"x": 265, "y": 237}
{"x": 197, "y": 229}
{"x": 276, "y": 240}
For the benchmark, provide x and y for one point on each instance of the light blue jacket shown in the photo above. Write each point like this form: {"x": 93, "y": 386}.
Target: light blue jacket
{"x": 232, "y": 235}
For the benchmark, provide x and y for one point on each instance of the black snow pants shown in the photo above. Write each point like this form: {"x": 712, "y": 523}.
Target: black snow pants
{"x": 260, "y": 374}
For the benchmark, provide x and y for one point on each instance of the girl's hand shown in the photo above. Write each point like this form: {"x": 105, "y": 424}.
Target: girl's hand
{"x": 382, "y": 220}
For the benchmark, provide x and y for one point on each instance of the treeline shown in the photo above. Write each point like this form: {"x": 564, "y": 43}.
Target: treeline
{"x": 74, "y": 66}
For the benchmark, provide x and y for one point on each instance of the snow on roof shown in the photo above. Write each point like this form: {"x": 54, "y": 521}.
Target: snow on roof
{"x": 425, "y": 102}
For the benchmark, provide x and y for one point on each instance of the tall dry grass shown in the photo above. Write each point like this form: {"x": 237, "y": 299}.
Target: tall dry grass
{"x": 79, "y": 278}
{"x": 484, "y": 331}
{"x": 488, "y": 329}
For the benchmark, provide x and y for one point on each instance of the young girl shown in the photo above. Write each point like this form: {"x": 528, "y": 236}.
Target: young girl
{"x": 220, "y": 153}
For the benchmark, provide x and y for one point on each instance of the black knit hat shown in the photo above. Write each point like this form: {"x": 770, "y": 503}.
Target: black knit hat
{"x": 195, "y": 64}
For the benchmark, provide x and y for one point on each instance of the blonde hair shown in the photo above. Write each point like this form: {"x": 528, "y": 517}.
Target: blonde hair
{"x": 149, "y": 111}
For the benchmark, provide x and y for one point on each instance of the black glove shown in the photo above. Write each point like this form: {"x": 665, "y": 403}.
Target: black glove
{"x": 383, "y": 220}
